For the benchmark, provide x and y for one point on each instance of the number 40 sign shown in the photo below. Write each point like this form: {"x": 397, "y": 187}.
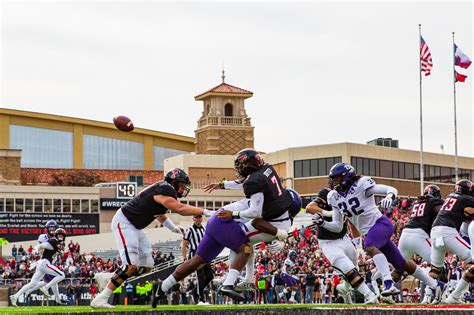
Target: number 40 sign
{"x": 126, "y": 190}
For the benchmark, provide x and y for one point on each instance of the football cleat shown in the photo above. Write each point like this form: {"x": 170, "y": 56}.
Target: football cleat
{"x": 228, "y": 290}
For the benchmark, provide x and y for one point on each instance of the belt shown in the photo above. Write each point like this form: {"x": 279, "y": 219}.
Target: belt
{"x": 280, "y": 220}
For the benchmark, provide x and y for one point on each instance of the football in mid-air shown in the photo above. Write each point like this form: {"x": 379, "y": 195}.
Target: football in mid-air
{"x": 123, "y": 123}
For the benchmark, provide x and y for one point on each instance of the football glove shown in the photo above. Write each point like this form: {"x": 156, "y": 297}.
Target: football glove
{"x": 386, "y": 203}
{"x": 318, "y": 219}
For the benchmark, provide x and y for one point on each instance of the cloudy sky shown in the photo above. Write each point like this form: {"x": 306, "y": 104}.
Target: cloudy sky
{"x": 320, "y": 72}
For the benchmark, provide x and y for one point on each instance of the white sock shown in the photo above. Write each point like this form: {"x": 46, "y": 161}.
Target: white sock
{"x": 375, "y": 285}
{"x": 381, "y": 263}
{"x": 364, "y": 289}
{"x": 38, "y": 285}
{"x": 346, "y": 285}
{"x": 423, "y": 275}
{"x": 56, "y": 292}
{"x": 460, "y": 288}
{"x": 105, "y": 294}
{"x": 231, "y": 277}
{"x": 250, "y": 268}
{"x": 293, "y": 293}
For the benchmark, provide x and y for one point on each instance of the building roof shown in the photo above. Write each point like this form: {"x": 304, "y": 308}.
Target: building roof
{"x": 48, "y": 118}
{"x": 224, "y": 89}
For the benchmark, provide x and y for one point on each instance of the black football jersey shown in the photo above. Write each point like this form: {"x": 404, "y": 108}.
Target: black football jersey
{"x": 324, "y": 234}
{"x": 49, "y": 253}
{"x": 277, "y": 200}
{"x": 422, "y": 214}
{"x": 451, "y": 213}
{"x": 143, "y": 209}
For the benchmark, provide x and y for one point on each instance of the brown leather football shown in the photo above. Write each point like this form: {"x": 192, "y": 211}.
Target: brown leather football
{"x": 123, "y": 123}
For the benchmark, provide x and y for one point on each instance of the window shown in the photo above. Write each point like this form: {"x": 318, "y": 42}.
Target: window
{"x": 19, "y": 205}
{"x": 85, "y": 205}
{"x": 322, "y": 167}
{"x": 9, "y": 204}
{"x": 162, "y": 153}
{"x": 109, "y": 153}
{"x": 76, "y": 205}
{"x": 2, "y": 204}
{"x": 298, "y": 169}
{"x": 66, "y": 205}
{"x": 28, "y": 205}
{"x": 228, "y": 110}
{"x": 94, "y": 206}
{"x": 38, "y": 205}
{"x": 306, "y": 170}
{"x": 386, "y": 169}
{"x": 41, "y": 147}
{"x": 372, "y": 170}
{"x": 209, "y": 205}
{"x": 47, "y": 205}
{"x": 192, "y": 203}
{"x": 57, "y": 205}
{"x": 135, "y": 179}
{"x": 409, "y": 171}
{"x": 416, "y": 171}
{"x": 200, "y": 204}
{"x": 314, "y": 167}
{"x": 217, "y": 205}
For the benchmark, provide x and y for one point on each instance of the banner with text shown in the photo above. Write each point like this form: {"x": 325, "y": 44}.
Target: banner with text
{"x": 26, "y": 226}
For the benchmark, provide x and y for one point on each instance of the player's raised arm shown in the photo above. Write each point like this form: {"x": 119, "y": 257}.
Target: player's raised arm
{"x": 224, "y": 184}
{"x": 182, "y": 209}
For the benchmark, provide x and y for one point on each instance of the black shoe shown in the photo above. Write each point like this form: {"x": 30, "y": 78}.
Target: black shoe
{"x": 228, "y": 290}
{"x": 158, "y": 295}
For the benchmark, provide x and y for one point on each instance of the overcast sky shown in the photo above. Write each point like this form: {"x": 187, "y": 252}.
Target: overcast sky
{"x": 320, "y": 72}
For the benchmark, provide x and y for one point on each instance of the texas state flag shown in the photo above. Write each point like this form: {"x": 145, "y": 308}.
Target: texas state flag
{"x": 460, "y": 59}
{"x": 459, "y": 77}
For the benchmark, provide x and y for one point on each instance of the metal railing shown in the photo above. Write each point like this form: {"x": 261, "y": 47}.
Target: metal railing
{"x": 224, "y": 121}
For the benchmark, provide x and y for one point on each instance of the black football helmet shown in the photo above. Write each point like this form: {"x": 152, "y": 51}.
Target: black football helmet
{"x": 246, "y": 162}
{"x": 179, "y": 179}
{"x": 432, "y": 191}
{"x": 322, "y": 198}
{"x": 60, "y": 235}
{"x": 463, "y": 187}
{"x": 51, "y": 226}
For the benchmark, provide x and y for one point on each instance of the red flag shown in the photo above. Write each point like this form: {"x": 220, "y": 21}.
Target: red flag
{"x": 459, "y": 77}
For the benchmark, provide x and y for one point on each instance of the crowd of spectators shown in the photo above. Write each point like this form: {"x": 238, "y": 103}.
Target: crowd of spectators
{"x": 317, "y": 279}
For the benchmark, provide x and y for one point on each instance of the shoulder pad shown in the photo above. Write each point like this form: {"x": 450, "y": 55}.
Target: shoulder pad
{"x": 43, "y": 238}
{"x": 366, "y": 182}
{"x": 166, "y": 190}
{"x": 252, "y": 185}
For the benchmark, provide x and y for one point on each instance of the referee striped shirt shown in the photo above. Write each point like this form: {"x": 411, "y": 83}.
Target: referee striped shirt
{"x": 194, "y": 235}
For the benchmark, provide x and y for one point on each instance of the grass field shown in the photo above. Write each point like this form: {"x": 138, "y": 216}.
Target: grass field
{"x": 145, "y": 308}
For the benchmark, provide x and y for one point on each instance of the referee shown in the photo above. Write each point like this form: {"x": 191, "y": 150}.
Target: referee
{"x": 204, "y": 274}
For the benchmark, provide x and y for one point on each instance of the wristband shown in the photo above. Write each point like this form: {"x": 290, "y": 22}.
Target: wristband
{"x": 222, "y": 184}
{"x": 169, "y": 225}
{"x": 327, "y": 214}
{"x": 207, "y": 213}
{"x": 281, "y": 234}
{"x": 235, "y": 214}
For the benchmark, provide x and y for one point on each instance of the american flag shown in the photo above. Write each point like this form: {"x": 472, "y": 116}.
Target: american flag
{"x": 425, "y": 57}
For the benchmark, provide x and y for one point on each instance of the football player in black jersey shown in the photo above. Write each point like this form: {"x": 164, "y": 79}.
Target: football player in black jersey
{"x": 44, "y": 266}
{"x": 267, "y": 209}
{"x": 339, "y": 250}
{"x": 415, "y": 237}
{"x": 458, "y": 207}
{"x": 152, "y": 203}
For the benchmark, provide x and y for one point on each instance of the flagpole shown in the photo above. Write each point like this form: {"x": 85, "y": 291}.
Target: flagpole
{"x": 422, "y": 171}
{"x": 455, "y": 120}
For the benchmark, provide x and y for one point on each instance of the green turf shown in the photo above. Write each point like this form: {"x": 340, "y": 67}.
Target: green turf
{"x": 79, "y": 309}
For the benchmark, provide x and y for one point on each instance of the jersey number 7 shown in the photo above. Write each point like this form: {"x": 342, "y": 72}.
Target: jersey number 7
{"x": 275, "y": 182}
